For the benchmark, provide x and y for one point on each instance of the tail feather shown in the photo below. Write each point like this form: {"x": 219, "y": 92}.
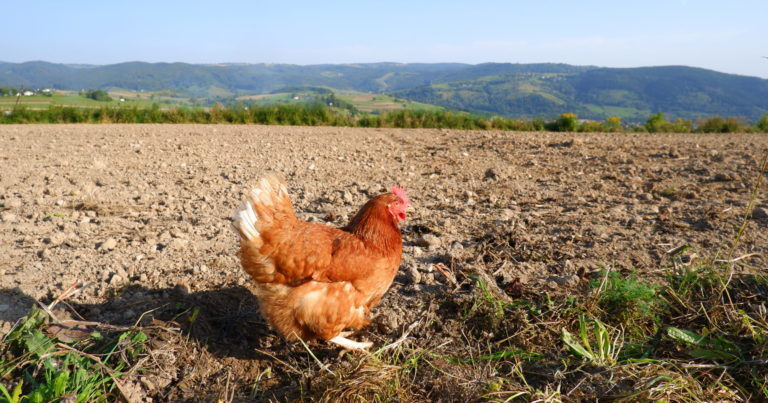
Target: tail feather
{"x": 267, "y": 202}
{"x": 245, "y": 221}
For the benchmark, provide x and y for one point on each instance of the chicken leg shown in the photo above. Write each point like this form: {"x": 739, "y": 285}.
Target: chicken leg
{"x": 348, "y": 344}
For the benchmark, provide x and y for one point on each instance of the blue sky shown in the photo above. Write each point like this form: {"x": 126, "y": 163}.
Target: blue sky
{"x": 731, "y": 38}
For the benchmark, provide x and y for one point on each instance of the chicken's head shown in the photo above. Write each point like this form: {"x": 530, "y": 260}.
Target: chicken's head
{"x": 401, "y": 205}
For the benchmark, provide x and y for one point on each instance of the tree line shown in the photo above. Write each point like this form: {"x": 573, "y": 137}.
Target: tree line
{"x": 321, "y": 114}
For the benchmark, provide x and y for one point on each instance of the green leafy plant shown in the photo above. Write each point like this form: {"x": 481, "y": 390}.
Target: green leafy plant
{"x": 628, "y": 301}
{"x": 603, "y": 351}
{"x": 85, "y": 368}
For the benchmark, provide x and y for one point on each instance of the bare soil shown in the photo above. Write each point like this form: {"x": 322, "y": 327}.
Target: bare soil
{"x": 141, "y": 213}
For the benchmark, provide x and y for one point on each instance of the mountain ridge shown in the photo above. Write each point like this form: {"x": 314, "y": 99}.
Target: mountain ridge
{"x": 506, "y": 89}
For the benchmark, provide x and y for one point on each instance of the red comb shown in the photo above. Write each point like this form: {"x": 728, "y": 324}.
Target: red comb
{"x": 398, "y": 191}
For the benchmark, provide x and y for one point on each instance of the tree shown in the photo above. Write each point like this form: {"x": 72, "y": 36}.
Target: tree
{"x": 763, "y": 124}
{"x": 656, "y": 123}
{"x": 97, "y": 95}
{"x": 612, "y": 124}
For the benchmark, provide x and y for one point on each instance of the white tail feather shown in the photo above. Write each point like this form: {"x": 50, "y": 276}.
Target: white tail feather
{"x": 245, "y": 220}
{"x": 268, "y": 194}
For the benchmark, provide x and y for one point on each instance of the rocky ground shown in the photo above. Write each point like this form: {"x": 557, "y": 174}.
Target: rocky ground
{"x": 141, "y": 215}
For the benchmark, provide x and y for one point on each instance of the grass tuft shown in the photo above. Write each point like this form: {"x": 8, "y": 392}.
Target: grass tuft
{"x": 42, "y": 367}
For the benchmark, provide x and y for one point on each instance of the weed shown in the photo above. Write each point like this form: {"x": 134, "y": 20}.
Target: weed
{"x": 486, "y": 311}
{"x": 629, "y": 302}
{"x": 50, "y": 216}
{"x": 46, "y": 368}
{"x": 604, "y": 352}
{"x": 669, "y": 193}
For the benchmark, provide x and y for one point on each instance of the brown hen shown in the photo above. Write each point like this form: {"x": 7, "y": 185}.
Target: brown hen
{"x": 314, "y": 281}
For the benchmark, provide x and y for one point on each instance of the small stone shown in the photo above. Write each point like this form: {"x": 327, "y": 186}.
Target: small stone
{"x": 506, "y": 214}
{"x": 56, "y": 239}
{"x": 148, "y": 385}
{"x": 178, "y": 243}
{"x": 429, "y": 241}
{"x": 724, "y": 177}
{"x": 635, "y": 220}
{"x": 44, "y": 254}
{"x": 109, "y": 244}
{"x": 456, "y": 249}
{"x": 11, "y": 204}
{"x": 674, "y": 153}
{"x": 4, "y": 307}
{"x": 760, "y": 213}
{"x": 496, "y": 174}
{"x": 387, "y": 322}
{"x": 645, "y": 196}
{"x": 8, "y": 217}
{"x": 552, "y": 284}
{"x": 115, "y": 280}
{"x": 347, "y": 197}
{"x": 413, "y": 275}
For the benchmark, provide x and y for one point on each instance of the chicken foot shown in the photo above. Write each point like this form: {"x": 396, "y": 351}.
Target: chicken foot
{"x": 351, "y": 345}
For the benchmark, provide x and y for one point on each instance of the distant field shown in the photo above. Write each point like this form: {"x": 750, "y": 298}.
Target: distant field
{"x": 72, "y": 98}
{"x": 364, "y": 102}
{"x": 378, "y": 103}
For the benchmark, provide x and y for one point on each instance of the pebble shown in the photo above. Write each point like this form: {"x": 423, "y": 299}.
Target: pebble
{"x": 347, "y": 197}
{"x": 552, "y": 284}
{"x": 496, "y": 173}
{"x": 635, "y": 220}
{"x": 413, "y": 274}
{"x": 725, "y": 177}
{"x": 645, "y": 196}
{"x": 115, "y": 280}
{"x": 109, "y": 244}
{"x": 760, "y": 212}
{"x": 4, "y": 307}
{"x": 178, "y": 243}
{"x": 387, "y": 322}
{"x": 507, "y": 214}
{"x": 15, "y": 203}
{"x": 182, "y": 288}
{"x": 429, "y": 241}
{"x": 456, "y": 249}
{"x": 56, "y": 239}
{"x": 44, "y": 254}
{"x": 8, "y": 217}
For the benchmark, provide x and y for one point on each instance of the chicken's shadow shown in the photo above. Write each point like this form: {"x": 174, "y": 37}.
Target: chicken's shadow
{"x": 226, "y": 321}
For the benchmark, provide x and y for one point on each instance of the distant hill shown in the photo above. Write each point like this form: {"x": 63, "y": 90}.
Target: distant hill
{"x": 511, "y": 90}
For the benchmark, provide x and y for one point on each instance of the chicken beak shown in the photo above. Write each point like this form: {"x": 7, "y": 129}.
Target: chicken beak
{"x": 410, "y": 209}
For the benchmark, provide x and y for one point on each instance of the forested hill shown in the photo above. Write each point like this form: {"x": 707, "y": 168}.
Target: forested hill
{"x": 511, "y": 90}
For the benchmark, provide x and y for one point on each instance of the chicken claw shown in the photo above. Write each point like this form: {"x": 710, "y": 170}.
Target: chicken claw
{"x": 350, "y": 345}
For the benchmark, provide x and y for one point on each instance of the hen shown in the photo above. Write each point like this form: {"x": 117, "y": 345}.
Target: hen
{"x": 314, "y": 281}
